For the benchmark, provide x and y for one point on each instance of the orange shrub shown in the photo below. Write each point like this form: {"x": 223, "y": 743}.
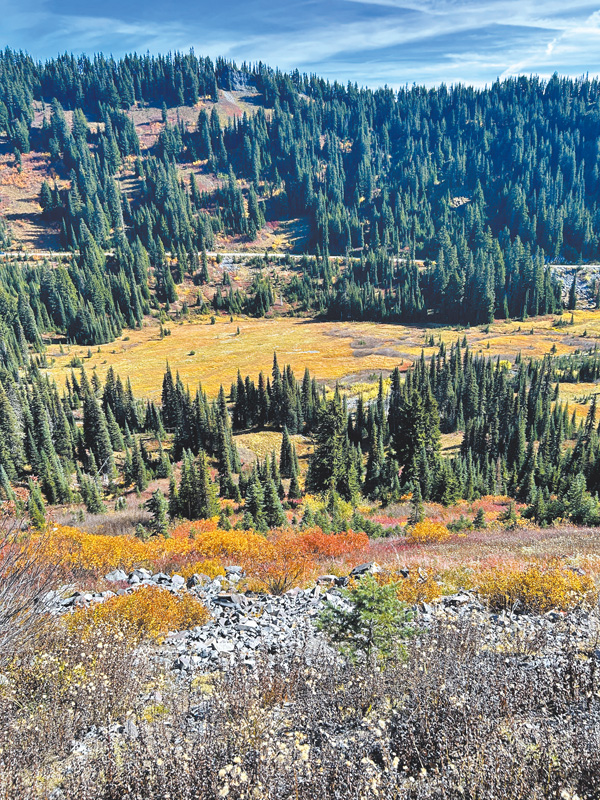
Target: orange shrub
{"x": 536, "y": 588}
{"x": 278, "y": 573}
{"x": 150, "y": 612}
{"x": 331, "y": 545}
{"x": 428, "y": 531}
{"x": 278, "y": 560}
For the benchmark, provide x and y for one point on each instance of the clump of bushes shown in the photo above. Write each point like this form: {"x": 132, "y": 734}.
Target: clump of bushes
{"x": 148, "y": 613}
{"x": 211, "y": 567}
{"x": 535, "y": 588}
{"x": 418, "y": 587}
{"x": 427, "y": 531}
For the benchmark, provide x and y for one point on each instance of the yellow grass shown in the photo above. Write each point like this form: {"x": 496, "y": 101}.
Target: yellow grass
{"x": 263, "y": 443}
{"x": 575, "y": 394}
{"x": 331, "y": 350}
{"x": 323, "y": 347}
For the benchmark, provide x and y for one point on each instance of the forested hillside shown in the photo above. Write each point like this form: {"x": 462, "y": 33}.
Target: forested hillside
{"x": 485, "y": 186}
{"x": 516, "y": 440}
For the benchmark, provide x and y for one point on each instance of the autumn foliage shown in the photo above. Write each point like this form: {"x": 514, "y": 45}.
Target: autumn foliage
{"x": 418, "y": 587}
{"x": 428, "y": 531}
{"x": 276, "y": 560}
{"x": 535, "y": 588}
{"x": 149, "y": 612}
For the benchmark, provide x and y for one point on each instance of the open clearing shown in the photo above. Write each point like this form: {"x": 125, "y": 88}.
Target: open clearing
{"x": 354, "y": 351}
{"x": 326, "y": 348}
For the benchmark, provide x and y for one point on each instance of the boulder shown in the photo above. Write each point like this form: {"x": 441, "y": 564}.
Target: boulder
{"x": 327, "y": 580}
{"x": 130, "y": 730}
{"x": 116, "y": 575}
{"x": 372, "y": 568}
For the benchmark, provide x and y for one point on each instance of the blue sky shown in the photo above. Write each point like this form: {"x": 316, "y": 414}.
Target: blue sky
{"x": 372, "y": 42}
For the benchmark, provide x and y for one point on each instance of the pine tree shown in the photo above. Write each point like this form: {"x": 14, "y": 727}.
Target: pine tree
{"x": 96, "y": 433}
{"x": 35, "y": 506}
{"x": 207, "y": 503}
{"x": 158, "y": 506}
{"x": 273, "y": 511}
{"x": 286, "y": 455}
{"x": 255, "y": 504}
{"x": 139, "y": 475}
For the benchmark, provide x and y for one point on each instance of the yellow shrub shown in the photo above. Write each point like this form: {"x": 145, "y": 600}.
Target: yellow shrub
{"x": 428, "y": 531}
{"x": 150, "y": 612}
{"x": 536, "y": 588}
{"x": 417, "y": 588}
{"x": 210, "y": 567}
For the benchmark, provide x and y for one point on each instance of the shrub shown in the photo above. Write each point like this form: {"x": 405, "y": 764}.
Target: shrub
{"x": 419, "y": 587}
{"x": 371, "y": 528}
{"x": 147, "y": 613}
{"x": 535, "y": 588}
{"x": 460, "y": 524}
{"x": 26, "y": 574}
{"x": 427, "y": 531}
{"x": 210, "y": 567}
{"x": 479, "y": 522}
{"x": 314, "y": 542}
{"x": 281, "y": 572}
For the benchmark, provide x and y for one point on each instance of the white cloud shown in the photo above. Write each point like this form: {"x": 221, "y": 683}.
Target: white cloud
{"x": 399, "y": 41}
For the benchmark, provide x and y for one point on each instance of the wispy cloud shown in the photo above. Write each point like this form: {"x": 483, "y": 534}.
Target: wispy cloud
{"x": 367, "y": 41}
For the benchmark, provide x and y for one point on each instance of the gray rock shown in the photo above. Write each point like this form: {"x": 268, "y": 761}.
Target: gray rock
{"x": 554, "y": 616}
{"x": 142, "y": 573}
{"x": 247, "y": 625}
{"x": 362, "y": 569}
{"x": 327, "y": 580}
{"x": 116, "y": 575}
{"x": 458, "y": 599}
{"x": 224, "y": 646}
{"x": 178, "y": 581}
{"x": 130, "y": 730}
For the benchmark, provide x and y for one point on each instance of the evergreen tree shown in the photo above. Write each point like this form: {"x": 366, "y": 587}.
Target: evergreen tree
{"x": 158, "y": 506}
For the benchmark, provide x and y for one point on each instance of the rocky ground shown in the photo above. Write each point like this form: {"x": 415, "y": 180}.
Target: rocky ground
{"x": 246, "y": 627}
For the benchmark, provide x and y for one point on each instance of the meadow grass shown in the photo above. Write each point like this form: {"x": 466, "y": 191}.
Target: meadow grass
{"x": 332, "y": 351}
